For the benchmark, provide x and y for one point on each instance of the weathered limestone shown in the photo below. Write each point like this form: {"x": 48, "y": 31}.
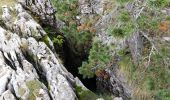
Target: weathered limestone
{"x": 54, "y": 72}
{"x": 41, "y": 8}
{"x": 7, "y": 95}
{"x": 5, "y": 74}
{"x": 24, "y": 60}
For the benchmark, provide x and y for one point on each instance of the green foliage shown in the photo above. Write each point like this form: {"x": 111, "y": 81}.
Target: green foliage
{"x": 98, "y": 58}
{"x": 158, "y": 68}
{"x": 159, "y": 3}
{"x": 122, "y": 31}
{"x": 80, "y": 40}
{"x": 45, "y": 39}
{"x": 123, "y": 1}
{"x": 124, "y": 16}
{"x": 86, "y": 70}
{"x": 147, "y": 22}
{"x": 124, "y": 25}
{"x": 58, "y": 40}
{"x": 55, "y": 38}
{"x": 168, "y": 18}
{"x": 162, "y": 95}
{"x": 152, "y": 20}
{"x": 89, "y": 95}
{"x": 106, "y": 96}
{"x": 151, "y": 79}
{"x": 149, "y": 83}
{"x": 117, "y": 32}
{"x": 85, "y": 94}
{"x": 66, "y": 9}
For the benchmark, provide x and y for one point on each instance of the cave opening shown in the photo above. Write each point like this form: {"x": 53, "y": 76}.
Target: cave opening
{"x": 70, "y": 59}
{"x": 72, "y": 62}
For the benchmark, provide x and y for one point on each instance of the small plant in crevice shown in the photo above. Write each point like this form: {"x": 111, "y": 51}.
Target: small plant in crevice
{"x": 98, "y": 59}
{"x": 89, "y": 95}
{"x": 85, "y": 94}
{"x": 45, "y": 39}
{"x": 57, "y": 39}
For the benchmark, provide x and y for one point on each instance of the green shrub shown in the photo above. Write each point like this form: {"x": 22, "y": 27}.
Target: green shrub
{"x": 159, "y": 3}
{"x": 124, "y": 16}
{"x": 98, "y": 59}
{"x": 122, "y": 31}
{"x": 51, "y": 34}
{"x": 65, "y": 9}
{"x": 118, "y": 32}
{"x": 162, "y": 95}
{"x": 58, "y": 40}
{"x": 124, "y": 24}
{"x": 80, "y": 40}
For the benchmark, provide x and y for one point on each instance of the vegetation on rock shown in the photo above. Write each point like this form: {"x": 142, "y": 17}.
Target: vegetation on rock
{"x": 98, "y": 59}
{"x": 79, "y": 35}
{"x": 149, "y": 78}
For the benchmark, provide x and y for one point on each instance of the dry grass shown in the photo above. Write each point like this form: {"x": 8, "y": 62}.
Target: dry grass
{"x": 8, "y": 3}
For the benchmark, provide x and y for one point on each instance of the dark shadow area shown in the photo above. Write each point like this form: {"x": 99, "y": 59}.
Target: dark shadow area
{"x": 73, "y": 62}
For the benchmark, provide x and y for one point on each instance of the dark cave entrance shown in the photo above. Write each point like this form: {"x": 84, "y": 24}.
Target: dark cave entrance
{"x": 73, "y": 62}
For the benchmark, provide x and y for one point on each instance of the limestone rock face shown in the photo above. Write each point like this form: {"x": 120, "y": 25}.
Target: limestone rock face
{"x": 43, "y": 8}
{"x": 7, "y": 95}
{"x": 29, "y": 69}
{"x": 54, "y": 72}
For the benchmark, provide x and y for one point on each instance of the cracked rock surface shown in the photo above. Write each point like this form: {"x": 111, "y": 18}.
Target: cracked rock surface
{"x": 29, "y": 69}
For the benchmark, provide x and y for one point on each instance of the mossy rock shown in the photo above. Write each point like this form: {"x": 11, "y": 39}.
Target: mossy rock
{"x": 34, "y": 86}
{"x": 45, "y": 39}
{"x": 85, "y": 94}
{"x": 21, "y": 91}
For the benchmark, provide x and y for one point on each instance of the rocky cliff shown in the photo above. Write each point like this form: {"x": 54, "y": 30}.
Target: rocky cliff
{"x": 29, "y": 69}
{"x": 120, "y": 47}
